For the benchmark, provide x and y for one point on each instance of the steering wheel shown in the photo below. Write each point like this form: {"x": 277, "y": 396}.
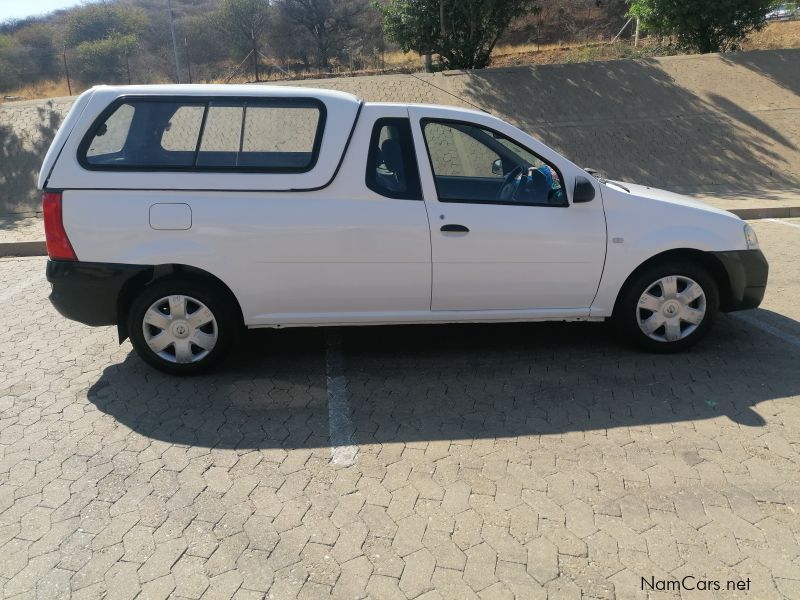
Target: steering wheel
{"x": 506, "y": 191}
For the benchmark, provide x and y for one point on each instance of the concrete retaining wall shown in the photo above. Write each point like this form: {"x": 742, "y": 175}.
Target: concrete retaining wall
{"x": 730, "y": 121}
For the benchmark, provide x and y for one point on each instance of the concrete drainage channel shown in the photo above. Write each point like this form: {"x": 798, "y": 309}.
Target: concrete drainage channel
{"x": 39, "y": 248}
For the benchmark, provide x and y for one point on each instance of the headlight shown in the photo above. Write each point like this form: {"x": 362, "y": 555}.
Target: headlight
{"x": 750, "y": 237}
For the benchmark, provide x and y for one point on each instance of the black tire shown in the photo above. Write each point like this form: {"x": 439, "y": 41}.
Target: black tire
{"x": 224, "y": 325}
{"x": 628, "y": 312}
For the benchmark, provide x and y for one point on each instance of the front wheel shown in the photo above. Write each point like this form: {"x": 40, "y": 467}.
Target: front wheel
{"x": 181, "y": 327}
{"x": 668, "y": 307}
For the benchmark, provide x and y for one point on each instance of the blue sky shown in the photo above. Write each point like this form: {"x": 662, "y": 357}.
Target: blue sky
{"x": 18, "y": 9}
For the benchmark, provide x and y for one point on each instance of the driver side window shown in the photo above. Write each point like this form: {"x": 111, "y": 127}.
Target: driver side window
{"x": 472, "y": 164}
{"x": 454, "y": 153}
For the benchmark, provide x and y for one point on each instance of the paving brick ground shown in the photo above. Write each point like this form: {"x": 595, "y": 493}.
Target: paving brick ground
{"x": 511, "y": 461}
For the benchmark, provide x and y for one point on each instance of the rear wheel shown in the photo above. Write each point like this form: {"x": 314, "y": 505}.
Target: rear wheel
{"x": 668, "y": 307}
{"x": 181, "y": 327}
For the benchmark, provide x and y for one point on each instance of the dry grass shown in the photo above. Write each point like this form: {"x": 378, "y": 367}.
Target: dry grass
{"x": 402, "y": 59}
{"x": 411, "y": 60}
{"x": 503, "y": 49}
{"x": 44, "y": 89}
{"x": 778, "y": 35}
{"x": 775, "y": 36}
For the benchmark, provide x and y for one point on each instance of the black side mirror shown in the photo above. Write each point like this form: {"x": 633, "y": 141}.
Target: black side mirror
{"x": 584, "y": 190}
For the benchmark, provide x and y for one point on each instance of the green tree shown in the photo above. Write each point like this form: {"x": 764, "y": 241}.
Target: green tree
{"x": 703, "y": 25}
{"x": 328, "y": 22}
{"x": 462, "y": 32}
{"x": 9, "y": 51}
{"x": 205, "y": 45}
{"x": 95, "y": 22}
{"x": 106, "y": 60}
{"x": 248, "y": 20}
{"x": 42, "y": 55}
{"x": 290, "y": 41}
{"x": 104, "y": 37}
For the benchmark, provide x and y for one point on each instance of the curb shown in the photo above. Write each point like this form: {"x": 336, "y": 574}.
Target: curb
{"x": 23, "y": 249}
{"x": 782, "y": 212}
{"x": 8, "y": 249}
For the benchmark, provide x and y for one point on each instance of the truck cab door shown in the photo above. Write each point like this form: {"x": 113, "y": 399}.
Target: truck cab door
{"x": 357, "y": 251}
{"x": 505, "y": 234}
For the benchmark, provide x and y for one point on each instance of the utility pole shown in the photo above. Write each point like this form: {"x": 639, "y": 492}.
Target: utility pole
{"x": 188, "y": 57}
{"x": 539, "y": 32}
{"x": 636, "y": 34}
{"x": 66, "y": 71}
{"x": 174, "y": 42}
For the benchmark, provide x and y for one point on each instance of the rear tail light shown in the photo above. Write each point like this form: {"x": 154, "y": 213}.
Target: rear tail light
{"x": 58, "y": 246}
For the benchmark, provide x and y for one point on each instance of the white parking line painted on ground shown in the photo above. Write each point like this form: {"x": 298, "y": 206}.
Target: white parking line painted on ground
{"x": 782, "y": 222}
{"x": 766, "y": 327}
{"x": 340, "y": 426}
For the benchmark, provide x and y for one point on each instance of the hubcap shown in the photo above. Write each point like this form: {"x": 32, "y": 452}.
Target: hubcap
{"x": 671, "y": 308}
{"x": 180, "y": 329}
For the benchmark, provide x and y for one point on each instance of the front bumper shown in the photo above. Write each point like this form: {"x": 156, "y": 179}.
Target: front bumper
{"x": 90, "y": 292}
{"x": 747, "y": 271}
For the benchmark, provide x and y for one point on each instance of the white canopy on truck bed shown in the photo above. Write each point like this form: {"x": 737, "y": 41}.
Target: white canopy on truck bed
{"x": 62, "y": 168}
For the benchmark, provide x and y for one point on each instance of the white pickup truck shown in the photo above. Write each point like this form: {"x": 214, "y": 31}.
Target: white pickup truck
{"x": 182, "y": 213}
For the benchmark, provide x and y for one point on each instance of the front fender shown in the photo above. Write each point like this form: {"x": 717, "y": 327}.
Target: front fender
{"x": 642, "y": 228}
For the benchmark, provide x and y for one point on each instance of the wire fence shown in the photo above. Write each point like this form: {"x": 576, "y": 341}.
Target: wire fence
{"x": 546, "y": 38}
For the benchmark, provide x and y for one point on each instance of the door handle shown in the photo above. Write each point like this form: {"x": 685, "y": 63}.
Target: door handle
{"x": 454, "y": 229}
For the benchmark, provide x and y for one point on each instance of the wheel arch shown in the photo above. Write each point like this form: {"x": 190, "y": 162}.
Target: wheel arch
{"x": 706, "y": 259}
{"x": 168, "y": 271}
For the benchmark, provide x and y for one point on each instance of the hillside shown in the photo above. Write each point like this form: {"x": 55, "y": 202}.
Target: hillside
{"x": 40, "y": 58}
{"x": 130, "y": 40}
{"x": 716, "y": 121}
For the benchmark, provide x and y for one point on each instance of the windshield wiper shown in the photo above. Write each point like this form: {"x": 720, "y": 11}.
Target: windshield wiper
{"x": 617, "y": 184}
{"x": 595, "y": 173}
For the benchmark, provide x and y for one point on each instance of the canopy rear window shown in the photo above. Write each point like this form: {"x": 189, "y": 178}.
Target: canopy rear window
{"x": 206, "y": 134}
